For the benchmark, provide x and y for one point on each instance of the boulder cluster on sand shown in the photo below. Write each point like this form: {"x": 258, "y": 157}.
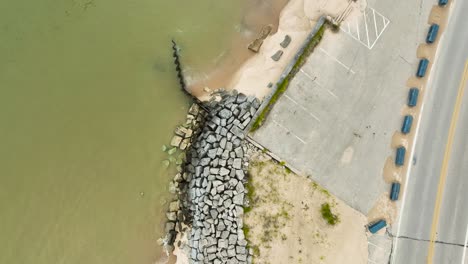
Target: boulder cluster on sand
{"x": 257, "y": 43}
{"x": 216, "y": 166}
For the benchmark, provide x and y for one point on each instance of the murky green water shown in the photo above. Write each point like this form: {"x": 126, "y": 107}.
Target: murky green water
{"x": 87, "y": 97}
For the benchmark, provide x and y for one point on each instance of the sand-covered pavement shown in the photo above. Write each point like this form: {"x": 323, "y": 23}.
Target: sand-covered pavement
{"x": 296, "y": 20}
{"x": 253, "y": 76}
{"x": 285, "y": 224}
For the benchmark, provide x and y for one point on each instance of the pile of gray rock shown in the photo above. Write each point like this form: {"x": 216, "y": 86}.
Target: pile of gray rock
{"x": 184, "y": 134}
{"x": 216, "y": 166}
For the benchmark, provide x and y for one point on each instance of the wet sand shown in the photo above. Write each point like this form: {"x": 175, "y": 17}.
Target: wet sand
{"x": 258, "y": 13}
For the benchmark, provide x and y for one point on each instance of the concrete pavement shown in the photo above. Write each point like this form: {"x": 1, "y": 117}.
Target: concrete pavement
{"x": 337, "y": 118}
{"x": 436, "y": 201}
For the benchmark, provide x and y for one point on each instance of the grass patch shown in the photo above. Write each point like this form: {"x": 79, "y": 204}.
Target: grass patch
{"x": 325, "y": 192}
{"x": 258, "y": 166}
{"x": 283, "y": 85}
{"x": 247, "y": 234}
{"x": 314, "y": 185}
{"x": 250, "y": 196}
{"x": 283, "y": 164}
{"x": 284, "y": 213}
{"x": 327, "y": 214}
{"x": 256, "y": 251}
{"x": 272, "y": 224}
{"x": 246, "y": 230}
{"x": 250, "y": 190}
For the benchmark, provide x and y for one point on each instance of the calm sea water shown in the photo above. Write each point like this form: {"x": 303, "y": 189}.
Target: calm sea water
{"x": 88, "y": 96}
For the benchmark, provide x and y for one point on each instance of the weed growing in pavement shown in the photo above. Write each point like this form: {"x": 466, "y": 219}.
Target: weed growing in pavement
{"x": 283, "y": 85}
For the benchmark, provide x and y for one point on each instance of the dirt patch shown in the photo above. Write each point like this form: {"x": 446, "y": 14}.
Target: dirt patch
{"x": 285, "y": 223}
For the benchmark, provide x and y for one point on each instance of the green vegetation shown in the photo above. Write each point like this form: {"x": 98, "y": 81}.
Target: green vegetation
{"x": 283, "y": 85}
{"x": 286, "y": 168}
{"x": 335, "y": 27}
{"x": 327, "y": 214}
{"x": 256, "y": 250}
{"x": 250, "y": 196}
{"x": 246, "y": 230}
{"x": 314, "y": 184}
{"x": 259, "y": 165}
{"x": 325, "y": 192}
{"x": 279, "y": 91}
{"x": 284, "y": 213}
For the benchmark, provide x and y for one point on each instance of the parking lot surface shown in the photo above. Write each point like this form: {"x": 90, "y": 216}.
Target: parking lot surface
{"x": 336, "y": 121}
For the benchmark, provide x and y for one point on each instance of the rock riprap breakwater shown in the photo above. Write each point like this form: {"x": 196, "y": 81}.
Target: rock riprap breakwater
{"x": 216, "y": 164}
{"x": 184, "y": 135}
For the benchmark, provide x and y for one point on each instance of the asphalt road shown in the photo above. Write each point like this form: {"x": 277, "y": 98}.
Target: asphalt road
{"x": 436, "y": 200}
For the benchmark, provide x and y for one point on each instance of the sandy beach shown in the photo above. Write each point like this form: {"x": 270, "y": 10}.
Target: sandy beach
{"x": 253, "y": 76}
{"x": 258, "y": 14}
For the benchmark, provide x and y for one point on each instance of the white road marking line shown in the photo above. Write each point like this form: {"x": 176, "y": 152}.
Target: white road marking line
{"x": 408, "y": 172}
{"x": 292, "y": 100}
{"x": 375, "y": 22}
{"x": 381, "y": 248}
{"x": 381, "y": 32}
{"x": 464, "y": 248}
{"x": 308, "y": 76}
{"x": 413, "y": 147}
{"x": 367, "y": 30}
{"x": 328, "y": 90}
{"x": 353, "y": 37}
{"x": 357, "y": 29}
{"x": 319, "y": 84}
{"x": 332, "y": 94}
{"x": 335, "y": 59}
{"x": 287, "y": 130}
{"x": 303, "y": 108}
{"x": 355, "y": 23}
{"x": 385, "y": 20}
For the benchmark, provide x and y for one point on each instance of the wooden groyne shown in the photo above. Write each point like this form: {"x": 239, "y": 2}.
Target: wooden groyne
{"x": 180, "y": 76}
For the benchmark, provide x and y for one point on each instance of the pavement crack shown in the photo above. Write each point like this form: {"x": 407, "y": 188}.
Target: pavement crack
{"x": 390, "y": 256}
{"x": 427, "y": 240}
{"x": 405, "y": 60}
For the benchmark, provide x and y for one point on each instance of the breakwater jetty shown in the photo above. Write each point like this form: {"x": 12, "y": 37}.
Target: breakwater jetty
{"x": 212, "y": 191}
{"x": 180, "y": 76}
{"x": 217, "y": 167}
